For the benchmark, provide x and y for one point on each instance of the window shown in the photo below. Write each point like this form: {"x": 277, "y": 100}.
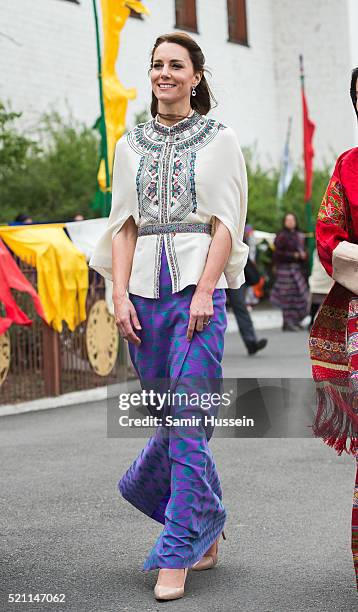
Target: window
{"x": 185, "y": 15}
{"x": 237, "y": 22}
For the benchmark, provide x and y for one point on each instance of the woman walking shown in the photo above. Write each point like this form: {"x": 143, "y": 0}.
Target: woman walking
{"x": 176, "y": 234}
{"x": 290, "y": 291}
{"x": 333, "y": 338}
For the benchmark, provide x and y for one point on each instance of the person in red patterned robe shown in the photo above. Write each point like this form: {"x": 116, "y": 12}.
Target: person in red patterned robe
{"x": 333, "y": 339}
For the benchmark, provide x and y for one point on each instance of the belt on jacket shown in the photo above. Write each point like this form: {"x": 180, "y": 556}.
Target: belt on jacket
{"x": 174, "y": 228}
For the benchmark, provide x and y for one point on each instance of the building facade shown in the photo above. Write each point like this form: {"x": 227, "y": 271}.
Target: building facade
{"x": 48, "y": 60}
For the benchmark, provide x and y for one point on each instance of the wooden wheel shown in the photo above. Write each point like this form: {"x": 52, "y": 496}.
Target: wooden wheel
{"x": 102, "y": 339}
{"x": 5, "y": 353}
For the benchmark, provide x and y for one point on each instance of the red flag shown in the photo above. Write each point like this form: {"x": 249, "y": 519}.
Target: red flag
{"x": 308, "y": 152}
{"x": 11, "y": 277}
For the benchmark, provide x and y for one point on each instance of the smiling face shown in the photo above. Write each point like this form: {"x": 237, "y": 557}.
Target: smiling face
{"x": 172, "y": 74}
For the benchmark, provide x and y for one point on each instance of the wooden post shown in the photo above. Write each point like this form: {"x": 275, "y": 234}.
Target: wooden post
{"x": 51, "y": 360}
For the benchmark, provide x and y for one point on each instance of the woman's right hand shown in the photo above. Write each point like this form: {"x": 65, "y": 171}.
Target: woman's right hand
{"x": 126, "y": 316}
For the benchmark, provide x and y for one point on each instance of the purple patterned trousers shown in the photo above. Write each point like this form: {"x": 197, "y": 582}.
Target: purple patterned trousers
{"x": 174, "y": 479}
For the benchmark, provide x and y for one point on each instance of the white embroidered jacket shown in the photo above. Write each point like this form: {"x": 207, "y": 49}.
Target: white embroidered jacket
{"x": 191, "y": 172}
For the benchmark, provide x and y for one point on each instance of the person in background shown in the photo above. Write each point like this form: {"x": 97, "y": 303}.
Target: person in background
{"x": 320, "y": 285}
{"x": 24, "y": 219}
{"x": 237, "y": 299}
{"x": 290, "y": 291}
{"x": 78, "y": 217}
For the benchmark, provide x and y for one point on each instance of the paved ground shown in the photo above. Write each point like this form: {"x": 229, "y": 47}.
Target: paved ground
{"x": 264, "y": 316}
{"x": 67, "y": 530}
{"x": 286, "y": 355}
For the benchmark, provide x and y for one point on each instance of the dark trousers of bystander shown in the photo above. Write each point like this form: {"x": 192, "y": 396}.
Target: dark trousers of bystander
{"x": 242, "y": 315}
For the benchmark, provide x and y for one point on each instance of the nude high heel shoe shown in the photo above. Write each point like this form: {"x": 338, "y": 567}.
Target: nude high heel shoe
{"x": 209, "y": 560}
{"x": 165, "y": 592}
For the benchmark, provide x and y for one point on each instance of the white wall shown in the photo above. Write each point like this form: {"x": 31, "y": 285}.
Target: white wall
{"x": 48, "y": 55}
{"x": 258, "y": 87}
{"x": 353, "y": 25}
{"x": 320, "y": 31}
{"x": 238, "y": 72}
{"x": 243, "y": 77}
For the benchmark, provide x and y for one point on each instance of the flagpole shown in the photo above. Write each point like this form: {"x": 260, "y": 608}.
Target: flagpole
{"x": 289, "y": 129}
{"x": 308, "y": 202}
{"x": 285, "y": 169}
{"x": 103, "y": 130}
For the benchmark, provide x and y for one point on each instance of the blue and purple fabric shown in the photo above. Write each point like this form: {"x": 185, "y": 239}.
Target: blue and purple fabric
{"x": 174, "y": 479}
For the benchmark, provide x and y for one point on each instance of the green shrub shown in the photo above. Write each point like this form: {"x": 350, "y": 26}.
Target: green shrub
{"x": 50, "y": 179}
{"x": 264, "y": 211}
{"x": 55, "y": 176}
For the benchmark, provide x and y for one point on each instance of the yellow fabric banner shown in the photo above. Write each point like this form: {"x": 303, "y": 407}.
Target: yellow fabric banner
{"x": 62, "y": 272}
{"x": 115, "y": 96}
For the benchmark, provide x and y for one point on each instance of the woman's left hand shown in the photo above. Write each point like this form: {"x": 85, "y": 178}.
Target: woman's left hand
{"x": 201, "y": 310}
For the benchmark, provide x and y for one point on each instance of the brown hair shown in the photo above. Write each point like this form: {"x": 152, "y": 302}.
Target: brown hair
{"x": 354, "y": 89}
{"x": 202, "y": 101}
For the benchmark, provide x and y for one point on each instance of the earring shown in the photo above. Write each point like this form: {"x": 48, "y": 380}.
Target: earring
{"x": 193, "y": 92}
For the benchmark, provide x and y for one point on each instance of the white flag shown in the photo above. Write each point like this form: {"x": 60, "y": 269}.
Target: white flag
{"x": 286, "y": 166}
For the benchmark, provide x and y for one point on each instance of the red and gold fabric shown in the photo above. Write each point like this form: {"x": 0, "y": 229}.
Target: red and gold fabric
{"x": 355, "y": 525}
{"x": 334, "y": 336}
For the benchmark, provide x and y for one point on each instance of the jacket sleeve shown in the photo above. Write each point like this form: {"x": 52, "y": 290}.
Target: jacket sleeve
{"x": 229, "y": 203}
{"x": 124, "y": 205}
{"x": 332, "y": 223}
